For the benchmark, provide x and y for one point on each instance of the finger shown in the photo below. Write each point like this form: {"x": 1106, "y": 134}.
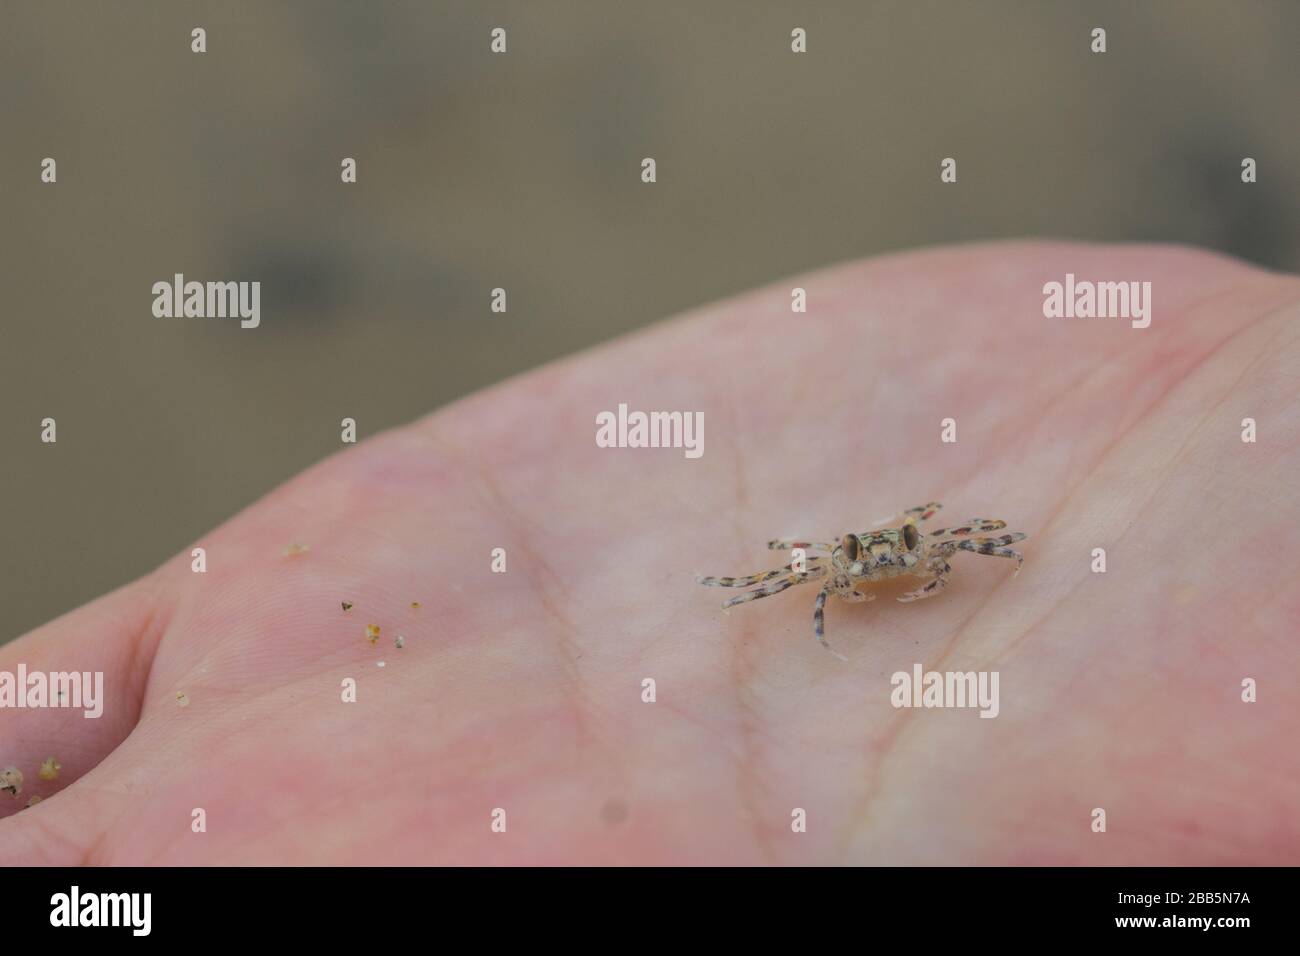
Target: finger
{"x": 68, "y": 723}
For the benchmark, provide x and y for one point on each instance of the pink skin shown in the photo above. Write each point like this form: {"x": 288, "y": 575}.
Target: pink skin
{"x": 523, "y": 690}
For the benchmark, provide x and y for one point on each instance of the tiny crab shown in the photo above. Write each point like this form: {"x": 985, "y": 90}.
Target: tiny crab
{"x": 875, "y": 556}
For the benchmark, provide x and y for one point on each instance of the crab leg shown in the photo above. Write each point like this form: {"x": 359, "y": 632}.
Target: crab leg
{"x": 912, "y": 515}
{"x": 819, "y": 622}
{"x": 751, "y": 579}
{"x": 776, "y": 587}
{"x": 788, "y": 544}
{"x": 970, "y": 527}
{"x": 934, "y": 587}
{"x": 994, "y": 546}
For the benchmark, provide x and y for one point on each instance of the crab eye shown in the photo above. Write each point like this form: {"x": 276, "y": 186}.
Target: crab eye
{"x": 910, "y": 537}
{"x": 850, "y": 546}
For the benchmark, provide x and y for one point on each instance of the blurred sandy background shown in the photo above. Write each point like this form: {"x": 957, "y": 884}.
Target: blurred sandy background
{"x": 522, "y": 171}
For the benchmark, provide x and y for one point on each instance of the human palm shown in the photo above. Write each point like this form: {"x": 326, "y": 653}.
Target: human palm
{"x": 524, "y": 691}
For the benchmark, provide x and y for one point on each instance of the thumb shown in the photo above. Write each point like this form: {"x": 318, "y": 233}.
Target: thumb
{"x": 109, "y": 644}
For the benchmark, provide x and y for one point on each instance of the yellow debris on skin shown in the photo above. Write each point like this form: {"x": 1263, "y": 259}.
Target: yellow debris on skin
{"x": 293, "y": 549}
{"x": 182, "y": 698}
{"x": 415, "y": 604}
{"x": 11, "y": 781}
{"x": 49, "y": 769}
{"x": 372, "y": 633}
{"x": 35, "y": 799}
